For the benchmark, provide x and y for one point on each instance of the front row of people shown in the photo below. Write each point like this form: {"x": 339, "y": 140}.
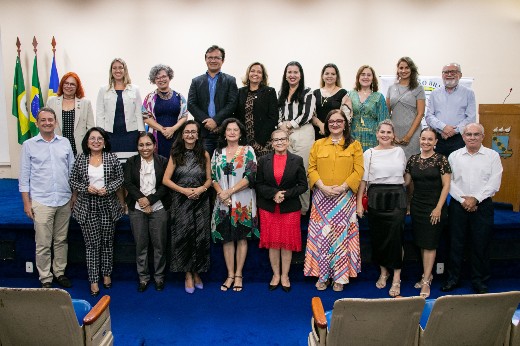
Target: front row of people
{"x": 339, "y": 173}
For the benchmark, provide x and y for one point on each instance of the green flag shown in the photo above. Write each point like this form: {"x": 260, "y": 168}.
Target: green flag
{"x": 36, "y": 99}
{"x": 19, "y": 104}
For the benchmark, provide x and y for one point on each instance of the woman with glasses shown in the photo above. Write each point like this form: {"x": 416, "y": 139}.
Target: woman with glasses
{"x": 335, "y": 171}
{"x": 368, "y": 107}
{"x": 148, "y": 203}
{"x": 118, "y": 110}
{"x": 405, "y": 100}
{"x": 329, "y": 96}
{"x": 297, "y": 105}
{"x": 233, "y": 170}
{"x": 280, "y": 180}
{"x": 257, "y": 108}
{"x": 164, "y": 109}
{"x": 188, "y": 175}
{"x": 96, "y": 176}
{"x": 387, "y": 203}
{"x": 73, "y": 111}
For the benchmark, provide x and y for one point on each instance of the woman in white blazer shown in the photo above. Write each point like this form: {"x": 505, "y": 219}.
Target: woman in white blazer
{"x": 118, "y": 110}
{"x": 73, "y": 111}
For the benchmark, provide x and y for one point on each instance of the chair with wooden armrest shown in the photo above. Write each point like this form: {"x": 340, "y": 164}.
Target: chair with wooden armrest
{"x": 46, "y": 316}
{"x": 473, "y": 319}
{"x": 357, "y": 321}
{"x": 515, "y": 329}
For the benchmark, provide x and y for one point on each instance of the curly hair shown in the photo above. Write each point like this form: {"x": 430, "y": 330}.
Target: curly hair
{"x": 154, "y": 71}
{"x": 222, "y": 142}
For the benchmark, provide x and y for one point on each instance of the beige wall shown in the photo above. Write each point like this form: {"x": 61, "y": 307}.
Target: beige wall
{"x": 481, "y": 35}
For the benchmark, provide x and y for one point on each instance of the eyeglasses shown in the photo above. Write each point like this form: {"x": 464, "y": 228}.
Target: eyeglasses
{"x": 279, "y": 140}
{"x": 147, "y": 145}
{"x": 448, "y": 72}
{"x": 161, "y": 77}
{"x": 192, "y": 132}
{"x": 469, "y": 134}
{"x": 69, "y": 84}
{"x": 96, "y": 139}
{"x": 336, "y": 122}
{"x": 213, "y": 58}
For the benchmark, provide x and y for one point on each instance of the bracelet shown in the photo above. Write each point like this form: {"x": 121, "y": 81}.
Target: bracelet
{"x": 205, "y": 188}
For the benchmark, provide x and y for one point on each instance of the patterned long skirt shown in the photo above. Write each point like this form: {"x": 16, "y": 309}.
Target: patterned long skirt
{"x": 333, "y": 241}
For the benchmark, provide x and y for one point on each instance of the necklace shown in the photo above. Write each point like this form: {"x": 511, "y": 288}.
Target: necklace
{"x": 96, "y": 159}
{"x": 336, "y": 140}
{"x": 330, "y": 93}
{"x": 165, "y": 95}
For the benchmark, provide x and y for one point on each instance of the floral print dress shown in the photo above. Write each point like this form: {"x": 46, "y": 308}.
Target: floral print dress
{"x": 238, "y": 221}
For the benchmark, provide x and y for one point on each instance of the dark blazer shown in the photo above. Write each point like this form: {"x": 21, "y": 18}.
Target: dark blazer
{"x": 79, "y": 181}
{"x": 294, "y": 182}
{"x": 225, "y": 98}
{"x": 265, "y": 112}
{"x": 133, "y": 182}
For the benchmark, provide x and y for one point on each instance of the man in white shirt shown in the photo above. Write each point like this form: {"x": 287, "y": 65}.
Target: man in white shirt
{"x": 476, "y": 177}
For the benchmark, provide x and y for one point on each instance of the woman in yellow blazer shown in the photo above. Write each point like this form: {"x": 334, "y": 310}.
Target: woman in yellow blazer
{"x": 73, "y": 111}
{"x": 335, "y": 171}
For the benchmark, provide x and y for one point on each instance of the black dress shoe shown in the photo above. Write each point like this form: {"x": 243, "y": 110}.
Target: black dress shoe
{"x": 142, "y": 286}
{"x": 159, "y": 286}
{"x": 64, "y": 281}
{"x": 480, "y": 288}
{"x": 273, "y": 287}
{"x": 46, "y": 284}
{"x": 286, "y": 288}
{"x": 449, "y": 286}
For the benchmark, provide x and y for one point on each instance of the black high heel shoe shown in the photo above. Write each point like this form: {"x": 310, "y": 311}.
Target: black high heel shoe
{"x": 108, "y": 285}
{"x": 273, "y": 287}
{"x": 94, "y": 293}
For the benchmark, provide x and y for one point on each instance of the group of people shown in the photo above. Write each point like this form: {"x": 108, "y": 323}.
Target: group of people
{"x": 253, "y": 156}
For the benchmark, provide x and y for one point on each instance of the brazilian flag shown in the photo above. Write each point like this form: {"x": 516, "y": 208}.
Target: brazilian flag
{"x": 19, "y": 109}
{"x": 36, "y": 99}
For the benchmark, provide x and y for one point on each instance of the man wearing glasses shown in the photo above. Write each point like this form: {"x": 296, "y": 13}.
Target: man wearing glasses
{"x": 212, "y": 97}
{"x": 476, "y": 177}
{"x": 450, "y": 109}
{"x": 45, "y": 165}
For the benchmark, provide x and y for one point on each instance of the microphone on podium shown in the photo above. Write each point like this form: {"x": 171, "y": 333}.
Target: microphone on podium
{"x": 511, "y": 89}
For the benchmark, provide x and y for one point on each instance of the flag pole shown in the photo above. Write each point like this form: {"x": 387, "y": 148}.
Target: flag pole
{"x": 53, "y": 44}
{"x": 18, "y": 45}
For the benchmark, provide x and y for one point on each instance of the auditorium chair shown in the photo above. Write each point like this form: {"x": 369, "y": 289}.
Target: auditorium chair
{"x": 46, "y": 316}
{"x": 357, "y": 321}
{"x": 473, "y": 319}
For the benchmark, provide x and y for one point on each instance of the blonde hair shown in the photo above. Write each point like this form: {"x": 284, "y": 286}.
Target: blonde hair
{"x": 126, "y": 76}
{"x": 265, "y": 77}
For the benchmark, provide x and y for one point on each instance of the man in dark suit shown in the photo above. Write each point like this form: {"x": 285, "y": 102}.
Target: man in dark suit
{"x": 212, "y": 97}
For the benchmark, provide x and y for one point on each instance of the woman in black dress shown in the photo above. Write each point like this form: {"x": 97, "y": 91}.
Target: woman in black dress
{"x": 188, "y": 174}
{"x": 257, "y": 108}
{"x": 329, "y": 96}
{"x": 431, "y": 174}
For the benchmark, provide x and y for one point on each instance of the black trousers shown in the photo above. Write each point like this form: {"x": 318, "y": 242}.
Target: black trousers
{"x": 447, "y": 146}
{"x": 477, "y": 228}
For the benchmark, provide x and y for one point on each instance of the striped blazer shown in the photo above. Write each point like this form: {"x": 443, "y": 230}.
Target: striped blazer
{"x": 87, "y": 204}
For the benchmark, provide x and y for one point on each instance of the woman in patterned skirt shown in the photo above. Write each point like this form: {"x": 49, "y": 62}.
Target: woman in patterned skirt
{"x": 368, "y": 107}
{"x": 335, "y": 170}
{"x": 188, "y": 174}
{"x": 164, "y": 109}
{"x": 233, "y": 170}
{"x": 257, "y": 108}
{"x": 280, "y": 181}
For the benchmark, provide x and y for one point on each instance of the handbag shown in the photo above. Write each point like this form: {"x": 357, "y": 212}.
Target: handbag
{"x": 364, "y": 200}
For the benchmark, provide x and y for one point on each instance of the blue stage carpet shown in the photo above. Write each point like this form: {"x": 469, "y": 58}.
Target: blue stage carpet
{"x": 254, "y": 316}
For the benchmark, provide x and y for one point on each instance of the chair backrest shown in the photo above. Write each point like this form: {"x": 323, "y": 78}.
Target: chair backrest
{"x": 38, "y": 316}
{"x": 388, "y": 322}
{"x": 474, "y": 319}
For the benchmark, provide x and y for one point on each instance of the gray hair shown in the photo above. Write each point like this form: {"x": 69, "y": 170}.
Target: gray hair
{"x": 481, "y": 128}
{"x": 158, "y": 68}
{"x": 385, "y": 122}
{"x": 279, "y": 131}
{"x": 454, "y": 64}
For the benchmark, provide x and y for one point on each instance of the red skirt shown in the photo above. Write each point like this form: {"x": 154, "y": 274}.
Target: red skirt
{"x": 280, "y": 231}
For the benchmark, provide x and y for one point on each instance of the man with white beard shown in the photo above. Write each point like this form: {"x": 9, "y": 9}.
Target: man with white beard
{"x": 450, "y": 109}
